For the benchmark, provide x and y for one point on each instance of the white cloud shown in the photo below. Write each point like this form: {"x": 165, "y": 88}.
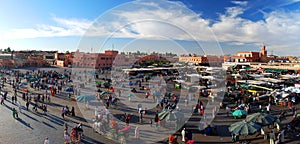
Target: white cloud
{"x": 234, "y": 11}
{"x": 241, "y": 3}
{"x": 280, "y": 29}
{"x": 64, "y": 27}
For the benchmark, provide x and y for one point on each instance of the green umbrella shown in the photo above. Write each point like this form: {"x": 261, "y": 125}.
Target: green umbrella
{"x": 244, "y": 128}
{"x": 85, "y": 98}
{"x": 239, "y": 113}
{"x": 129, "y": 95}
{"x": 33, "y": 79}
{"x": 261, "y": 118}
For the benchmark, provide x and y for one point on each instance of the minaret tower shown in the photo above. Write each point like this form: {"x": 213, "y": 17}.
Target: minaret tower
{"x": 263, "y": 53}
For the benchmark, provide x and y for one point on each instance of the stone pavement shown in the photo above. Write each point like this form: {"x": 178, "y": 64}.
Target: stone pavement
{"x": 34, "y": 127}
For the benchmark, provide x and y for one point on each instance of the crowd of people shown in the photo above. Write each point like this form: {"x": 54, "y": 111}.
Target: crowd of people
{"x": 35, "y": 88}
{"x": 52, "y": 83}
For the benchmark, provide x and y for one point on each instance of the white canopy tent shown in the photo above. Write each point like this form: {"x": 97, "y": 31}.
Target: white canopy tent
{"x": 254, "y": 82}
{"x": 271, "y": 80}
{"x": 256, "y": 76}
{"x": 290, "y": 76}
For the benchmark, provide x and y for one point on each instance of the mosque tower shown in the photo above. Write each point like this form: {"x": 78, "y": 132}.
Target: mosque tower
{"x": 263, "y": 54}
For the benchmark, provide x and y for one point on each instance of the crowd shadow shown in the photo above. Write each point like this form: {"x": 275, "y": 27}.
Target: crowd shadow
{"x": 7, "y": 106}
{"x": 55, "y": 119}
{"x": 24, "y": 123}
{"x": 30, "y": 117}
{"x": 49, "y": 125}
{"x": 55, "y": 104}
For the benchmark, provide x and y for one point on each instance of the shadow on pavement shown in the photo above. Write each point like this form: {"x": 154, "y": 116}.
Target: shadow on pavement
{"x": 55, "y": 105}
{"x": 88, "y": 140}
{"x": 48, "y": 125}
{"x": 30, "y": 117}
{"x": 54, "y": 119}
{"x": 7, "y": 106}
{"x": 24, "y": 123}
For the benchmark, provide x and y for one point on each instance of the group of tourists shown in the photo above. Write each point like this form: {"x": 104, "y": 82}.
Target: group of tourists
{"x": 66, "y": 111}
{"x": 75, "y": 135}
{"x": 46, "y": 84}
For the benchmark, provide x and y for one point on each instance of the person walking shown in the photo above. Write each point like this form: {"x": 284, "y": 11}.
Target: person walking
{"x": 27, "y": 105}
{"x": 137, "y": 132}
{"x": 63, "y": 113}
{"x": 73, "y": 135}
{"x": 66, "y": 126}
{"x": 80, "y": 129}
{"x": 15, "y": 113}
{"x": 16, "y": 98}
{"x": 66, "y": 137}
{"x": 183, "y": 135}
{"x": 12, "y": 100}
{"x": 233, "y": 137}
{"x": 20, "y": 106}
{"x": 228, "y": 110}
{"x": 141, "y": 115}
{"x": 46, "y": 141}
{"x": 45, "y": 109}
{"x": 96, "y": 113}
{"x": 272, "y": 137}
{"x": 2, "y": 100}
{"x": 262, "y": 132}
{"x": 73, "y": 111}
{"x": 268, "y": 107}
{"x": 171, "y": 139}
{"x": 278, "y": 141}
{"x": 156, "y": 119}
{"x": 282, "y": 136}
{"x": 127, "y": 119}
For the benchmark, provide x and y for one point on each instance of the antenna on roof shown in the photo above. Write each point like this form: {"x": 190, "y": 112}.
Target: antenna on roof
{"x": 112, "y": 46}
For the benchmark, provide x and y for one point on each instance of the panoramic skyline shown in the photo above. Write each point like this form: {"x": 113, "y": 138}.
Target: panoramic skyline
{"x": 201, "y": 27}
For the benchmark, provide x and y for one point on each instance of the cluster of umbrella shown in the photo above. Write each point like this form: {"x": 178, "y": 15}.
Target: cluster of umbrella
{"x": 85, "y": 98}
{"x": 251, "y": 124}
{"x": 63, "y": 77}
{"x": 292, "y": 89}
{"x": 32, "y": 79}
{"x": 239, "y": 113}
{"x": 69, "y": 89}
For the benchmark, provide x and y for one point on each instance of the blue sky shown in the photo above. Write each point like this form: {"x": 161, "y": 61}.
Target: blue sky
{"x": 186, "y": 26}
